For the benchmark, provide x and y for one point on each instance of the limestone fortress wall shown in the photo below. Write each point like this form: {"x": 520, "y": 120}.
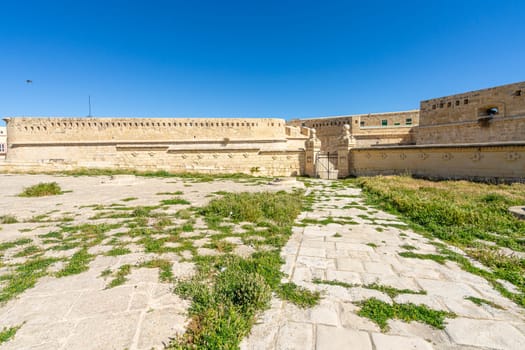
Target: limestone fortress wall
{"x": 479, "y": 134}
{"x": 258, "y": 146}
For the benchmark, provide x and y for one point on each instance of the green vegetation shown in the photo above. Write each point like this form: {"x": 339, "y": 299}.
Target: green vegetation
{"x": 372, "y": 244}
{"x": 462, "y": 213}
{"x": 129, "y": 199}
{"x": 8, "y": 219}
{"x": 300, "y": 296}
{"x": 380, "y": 312}
{"x": 408, "y": 247}
{"x": 42, "y": 189}
{"x": 78, "y": 263}
{"x": 8, "y": 333}
{"x": 118, "y": 251}
{"x": 24, "y": 277}
{"x": 120, "y": 276}
{"x": 174, "y": 201}
{"x": 228, "y": 291}
{"x": 480, "y": 301}
{"x": 390, "y": 291}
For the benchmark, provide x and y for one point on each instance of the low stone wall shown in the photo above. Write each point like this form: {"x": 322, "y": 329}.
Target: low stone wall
{"x": 485, "y": 162}
{"x": 243, "y": 158}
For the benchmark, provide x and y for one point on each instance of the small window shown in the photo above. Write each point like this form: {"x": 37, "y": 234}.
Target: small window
{"x": 449, "y": 104}
{"x": 408, "y": 121}
{"x": 362, "y": 124}
{"x": 397, "y": 124}
{"x": 465, "y": 101}
{"x": 457, "y": 102}
{"x": 441, "y": 105}
{"x": 384, "y": 122}
{"x": 517, "y": 93}
{"x": 433, "y": 106}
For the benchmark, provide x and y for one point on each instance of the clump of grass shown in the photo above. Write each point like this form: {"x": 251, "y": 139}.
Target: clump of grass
{"x": 371, "y": 244}
{"x": 440, "y": 259}
{"x": 27, "y": 251}
{"x": 120, "y": 276}
{"x": 118, "y": 251}
{"x": 164, "y": 266}
{"x": 174, "y": 201}
{"x": 300, "y": 296}
{"x": 280, "y": 207}
{"x": 480, "y": 301}
{"x": 408, "y": 247}
{"x": 8, "y": 219}
{"x": 42, "y": 189}
{"x": 77, "y": 264}
{"x": 8, "y": 333}
{"x": 390, "y": 291}
{"x": 380, "y": 312}
{"x": 24, "y": 277}
{"x": 11, "y": 244}
{"x": 129, "y": 199}
{"x": 337, "y": 235}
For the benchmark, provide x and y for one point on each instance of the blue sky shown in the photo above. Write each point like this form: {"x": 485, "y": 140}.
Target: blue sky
{"x": 251, "y": 58}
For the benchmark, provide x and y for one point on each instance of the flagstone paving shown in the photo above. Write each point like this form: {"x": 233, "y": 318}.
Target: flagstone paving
{"x": 367, "y": 252}
{"x": 341, "y": 240}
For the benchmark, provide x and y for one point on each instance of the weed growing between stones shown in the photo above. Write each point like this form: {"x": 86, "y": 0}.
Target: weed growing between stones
{"x": 464, "y": 214}
{"x": 8, "y": 333}
{"x": 390, "y": 291}
{"x": 380, "y": 312}
{"x": 8, "y": 219}
{"x": 480, "y": 301}
{"x": 228, "y": 290}
{"x": 42, "y": 189}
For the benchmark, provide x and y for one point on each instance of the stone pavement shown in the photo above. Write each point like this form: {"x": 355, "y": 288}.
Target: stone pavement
{"x": 365, "y": 253}
{"x": 80, "y": 311}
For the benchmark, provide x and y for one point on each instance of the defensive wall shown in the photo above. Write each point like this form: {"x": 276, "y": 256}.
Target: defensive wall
{"x": 474, "y": 135}
{"x": 257, "y": 146}
{"x": 490, "y": 115}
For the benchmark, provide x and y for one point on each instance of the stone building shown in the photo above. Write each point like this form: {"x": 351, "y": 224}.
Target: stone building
{"x": 475, "y": 135}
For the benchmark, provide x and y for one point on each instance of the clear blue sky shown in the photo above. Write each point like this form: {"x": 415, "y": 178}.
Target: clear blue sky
{"x": 251, "y": 58}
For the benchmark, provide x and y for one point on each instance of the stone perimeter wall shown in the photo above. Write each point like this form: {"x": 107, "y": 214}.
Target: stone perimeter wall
{"x": 486, "y": 162}
{"x": 475, "y": 135}
{"x": 252, "y": 146}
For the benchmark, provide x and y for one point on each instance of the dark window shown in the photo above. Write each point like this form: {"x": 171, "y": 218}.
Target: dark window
{"x": 362, "y": 124}
{"x": 457, "y": 102}
{"x": 384, "y": 122}
{"x": 517, "y": 93}
{"x": 433, "y": 106}
{"x": 441, "y": 105}
{"x": 465, "y": 101}
{"x": 408, "y": 121}
{"x": 449, "y": 104}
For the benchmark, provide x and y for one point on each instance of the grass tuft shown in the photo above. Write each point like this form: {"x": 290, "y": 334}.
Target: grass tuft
{"x": 380, "y": 312}
{"x": 42, "y": 189}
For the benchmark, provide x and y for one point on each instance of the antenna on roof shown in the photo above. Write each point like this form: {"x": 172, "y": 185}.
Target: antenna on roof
{"x": 89, "y": 104}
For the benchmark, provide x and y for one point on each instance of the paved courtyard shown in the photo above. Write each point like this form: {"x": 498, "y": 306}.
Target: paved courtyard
{"x": 340, "y": 249}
